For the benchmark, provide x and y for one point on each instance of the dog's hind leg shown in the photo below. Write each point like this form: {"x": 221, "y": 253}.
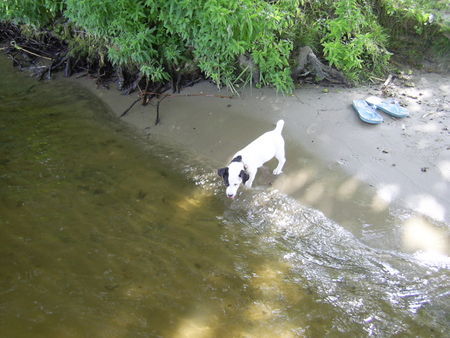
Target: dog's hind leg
{"x": 281, "y": 160}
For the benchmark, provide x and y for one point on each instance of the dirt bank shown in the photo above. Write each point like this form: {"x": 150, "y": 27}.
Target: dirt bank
{"x": 354, "y": 172}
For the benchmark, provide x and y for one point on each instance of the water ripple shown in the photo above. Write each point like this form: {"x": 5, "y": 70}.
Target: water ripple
{"x": 385, "y": 291}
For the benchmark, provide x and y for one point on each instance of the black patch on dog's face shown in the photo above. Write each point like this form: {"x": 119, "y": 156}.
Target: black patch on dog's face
{"x": 237, "y": 159}
{"x": 223, "y": 172}
{"x": 243, "y": 174}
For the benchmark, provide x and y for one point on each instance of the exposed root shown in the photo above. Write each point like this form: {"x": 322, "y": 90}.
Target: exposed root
{"x": 308, "y": 64}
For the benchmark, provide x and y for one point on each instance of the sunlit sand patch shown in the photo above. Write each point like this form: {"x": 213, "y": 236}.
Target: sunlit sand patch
{"x": 444, "y": 168}
{"x": 259, "y": 311}
{"x": 270, "y": 282}
{"x": 379, "y": 204}
{"x": 315, "y": 192}
{"x": 266, "y": 313}
{"x": 427, "y": 205}
{"x": 418, "y": 234}
{"x": 197, "y": 326}
{"x": 261, "y": 314}
{"x": 293, "y": 182}
{"x": 386, "y": 193}
{"x": 347, "y": 189}
{"x": 193, "y": 201}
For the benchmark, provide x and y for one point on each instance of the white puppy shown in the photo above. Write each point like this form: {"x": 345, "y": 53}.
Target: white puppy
{"x": 245, "y": 163}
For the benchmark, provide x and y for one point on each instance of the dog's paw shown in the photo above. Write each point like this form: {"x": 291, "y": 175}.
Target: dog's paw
{"x": 277, "y": 172}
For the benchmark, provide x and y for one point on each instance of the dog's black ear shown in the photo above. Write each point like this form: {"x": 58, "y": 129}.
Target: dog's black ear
{"x": 223, "y": 172}
{"x": 237, "y": 159}
{"x": 243, "y": 174}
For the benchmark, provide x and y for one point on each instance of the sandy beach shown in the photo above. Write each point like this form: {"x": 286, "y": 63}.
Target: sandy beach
{"x": 352, "y": 171}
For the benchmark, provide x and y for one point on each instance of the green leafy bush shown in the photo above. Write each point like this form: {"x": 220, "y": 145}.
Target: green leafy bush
{"x": 416, "y": 26}
{"x": 123, "y": 27}
{"x": 163, "y": 37}
{"x": 355, "y": 42}
{"x": 158, "y": 36}
{"x": 37, "y": 13}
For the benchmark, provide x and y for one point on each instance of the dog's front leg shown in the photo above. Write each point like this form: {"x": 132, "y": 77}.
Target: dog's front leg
{"x": 252, "y": 175}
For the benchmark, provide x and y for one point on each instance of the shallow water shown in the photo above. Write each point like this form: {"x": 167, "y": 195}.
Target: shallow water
{"x": 102, "y": 235}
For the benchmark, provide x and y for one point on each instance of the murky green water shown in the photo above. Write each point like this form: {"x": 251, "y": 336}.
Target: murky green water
{"x": 103, "y": 237}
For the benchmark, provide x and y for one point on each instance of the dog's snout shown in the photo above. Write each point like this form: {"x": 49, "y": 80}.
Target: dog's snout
{"x": 230, "y": 195}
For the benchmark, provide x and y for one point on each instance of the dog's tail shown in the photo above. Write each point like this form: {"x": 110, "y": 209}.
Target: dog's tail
{"x": 279, "y": 127}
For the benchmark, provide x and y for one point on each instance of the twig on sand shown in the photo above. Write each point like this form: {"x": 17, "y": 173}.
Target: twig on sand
{"x": 181, "y": 95}
{"x": 157, "y": 109}
{"x": 13, "y": 44}
{"x": 131, "y": 106}
{"x": 388, "y": 81}
{"x": 373, "y": 79}
{"x": 431, "y": 113}
{"x": 161, "y": 97}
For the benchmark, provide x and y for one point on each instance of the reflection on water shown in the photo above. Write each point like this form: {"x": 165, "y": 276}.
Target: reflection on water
{"x": 101, "y": 238}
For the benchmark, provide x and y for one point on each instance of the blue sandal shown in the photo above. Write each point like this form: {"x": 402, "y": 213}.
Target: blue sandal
{"x": 390, "y": 106}
{"x": 366, "y": 112}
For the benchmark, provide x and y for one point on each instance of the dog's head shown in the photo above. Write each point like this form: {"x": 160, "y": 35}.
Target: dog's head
{"x": 233, "y": 176}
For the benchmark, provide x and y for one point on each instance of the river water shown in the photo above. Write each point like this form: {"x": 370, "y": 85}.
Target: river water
{"x": 105, "y": 235}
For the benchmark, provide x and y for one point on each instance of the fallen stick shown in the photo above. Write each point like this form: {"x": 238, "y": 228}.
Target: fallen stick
{"x": 126, "y": 111}
{"x": 157, "y": 120}
{"x": 376, "y": 78}
{"x": 183, "y": 95}
{"x": 13, "y": 44}
{"x": 144, "y": 94}
{"x": 431, "y": 113}
{"x": 388, "y": 80}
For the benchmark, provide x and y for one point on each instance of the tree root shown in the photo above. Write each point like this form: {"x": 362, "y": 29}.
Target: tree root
{"x": 308, "y": 64}
{"x": 134, "y": 84}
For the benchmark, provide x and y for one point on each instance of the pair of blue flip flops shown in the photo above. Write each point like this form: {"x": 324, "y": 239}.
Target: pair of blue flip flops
{"x": 367, "y": 109}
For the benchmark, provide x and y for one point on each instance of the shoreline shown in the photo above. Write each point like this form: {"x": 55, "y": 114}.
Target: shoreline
{"x": 353, "y": 172}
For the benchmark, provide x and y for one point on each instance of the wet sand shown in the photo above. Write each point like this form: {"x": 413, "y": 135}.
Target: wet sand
{"x": 353, "y": 172}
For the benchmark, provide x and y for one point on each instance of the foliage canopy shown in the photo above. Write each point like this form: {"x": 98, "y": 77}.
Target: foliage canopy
{"x": 161, "y": 37}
